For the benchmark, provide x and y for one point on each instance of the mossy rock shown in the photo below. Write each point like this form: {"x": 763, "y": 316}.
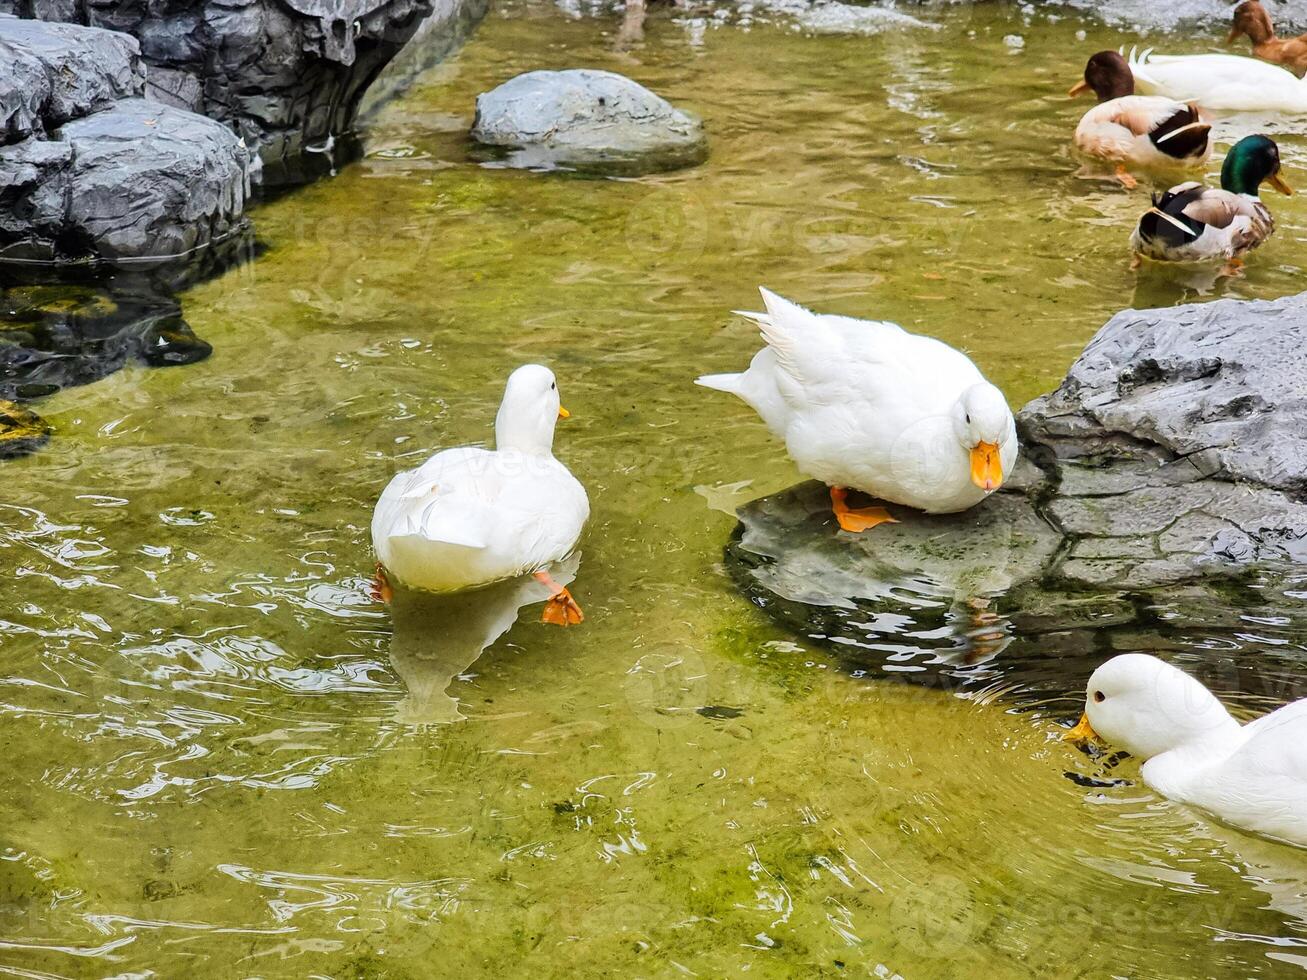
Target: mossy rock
{"x": 22, "y": 431}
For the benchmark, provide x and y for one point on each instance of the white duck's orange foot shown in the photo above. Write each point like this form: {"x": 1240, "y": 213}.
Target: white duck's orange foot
{"x": 857, "y": 519}
{"x": 381, "y": 590}
{"x": 1126, "y": 178}
{"x": 562, "y": 610}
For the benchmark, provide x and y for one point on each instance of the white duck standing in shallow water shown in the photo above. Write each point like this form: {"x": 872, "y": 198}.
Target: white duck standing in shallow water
{"x": 468, "y": 517}
{"x": 1252, "y": 776}
{"x": 868, "y": 406}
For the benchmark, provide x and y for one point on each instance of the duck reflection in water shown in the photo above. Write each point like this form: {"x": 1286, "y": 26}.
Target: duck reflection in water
{"x": 438, "y": 637}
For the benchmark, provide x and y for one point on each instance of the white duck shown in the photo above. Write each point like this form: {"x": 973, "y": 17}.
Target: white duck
{"x": 1220, "y": 82}
{"x": 1252, "y": 776}
{"x": 468, "y": 517}
{"x": 866, "y": 405}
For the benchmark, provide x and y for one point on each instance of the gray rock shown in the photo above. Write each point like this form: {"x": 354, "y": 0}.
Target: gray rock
{"x": 586, "y": 120}
{"x": 33, "y": 199}
{"x": 286, "y": 75}
{"x": 1224, "y": 383}
{"x": 1172, "y": 469}
{"x": 53, "y": 73}
{"x": 151, "y": 181}
{"x": 137, "y": 181}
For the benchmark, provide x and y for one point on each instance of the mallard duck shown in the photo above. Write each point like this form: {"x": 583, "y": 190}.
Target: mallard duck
{"x": 1251, "y": 19}
{"x": 1220, "y": 82}
{"x": 866, "y": 405}
{"x": 1146, "y": 132}
{"x": 1193, "y": 223}
{"x": 469, "y": 517}
{"x": 1252, "y": 776}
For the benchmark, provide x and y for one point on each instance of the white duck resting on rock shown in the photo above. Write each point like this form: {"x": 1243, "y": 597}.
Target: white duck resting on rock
{"x": 866, "y": 405}
{"x": 1252, "y": 776}
{"x": 469, "y": 517}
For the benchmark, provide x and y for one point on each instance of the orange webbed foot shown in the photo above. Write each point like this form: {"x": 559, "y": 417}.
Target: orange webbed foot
{"x": 1126, "y": 178}
{"x": 381, "y": 590}
{"x": 860, "y": 519}
{"x": 561, "y": 609}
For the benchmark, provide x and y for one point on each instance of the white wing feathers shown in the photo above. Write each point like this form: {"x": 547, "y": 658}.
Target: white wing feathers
{"x": 450, "y": 518}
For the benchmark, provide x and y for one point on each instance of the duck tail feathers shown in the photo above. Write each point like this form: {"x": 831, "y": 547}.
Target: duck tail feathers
{"x": 729, "y": 383}
{"x": 762, "y": 319}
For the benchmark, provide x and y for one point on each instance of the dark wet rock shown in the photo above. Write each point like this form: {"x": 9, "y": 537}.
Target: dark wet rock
{"x": 586, "y": 120}
{"x": 51, "y": 74}
{"x": 138, "y": 181}
{"x": 22, "y": 431}
{"x": 287, "y": 75}
{"x": 58, "y": 336}
{"x": 89, "y": 170}
{"x": 182, "y": 180}
{"x": 1168, "y": 511}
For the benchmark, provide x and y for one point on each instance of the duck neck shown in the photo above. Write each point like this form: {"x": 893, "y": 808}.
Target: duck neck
{"x": 527, "y": 433}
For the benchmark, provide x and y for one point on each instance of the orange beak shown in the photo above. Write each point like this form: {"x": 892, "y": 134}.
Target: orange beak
{"x": 1079, "y": 87}
{"x": 986, "y": 467}
{"x": 1082, "y": 731}
{"x": 1278, "y": 182}
{"x": 563, "y": 413}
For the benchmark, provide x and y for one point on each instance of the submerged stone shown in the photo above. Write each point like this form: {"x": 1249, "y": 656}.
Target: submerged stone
{"x": 22, "y": 431}
{"x": 586, "y": 120}
{"x": 58, "y": 336}
{"x": 1172, "y": 475}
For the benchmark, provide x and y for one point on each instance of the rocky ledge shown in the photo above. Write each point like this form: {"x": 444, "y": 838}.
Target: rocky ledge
{"x": 90, "y": 170}
{"x": 585, "y": 120}
{"x": 1165, "y": 481}
{"x": 286, "y": 75}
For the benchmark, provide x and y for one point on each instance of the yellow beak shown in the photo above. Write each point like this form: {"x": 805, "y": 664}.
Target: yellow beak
{"x": 563, "y": 413}
{"x": 1278, "y": 182}
{"x": 1082, "y": 731}
{"x": 986, "y": 467}
{"x": 1078, "y": 87}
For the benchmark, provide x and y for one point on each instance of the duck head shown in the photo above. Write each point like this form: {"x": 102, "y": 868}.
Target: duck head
{"x": 1108, "y": 75}
{"x": 1148, "y": 707}
{"x": 1250, "y": 161}
{"x": 529, "y": 411}
{"x": 1251, "y": 18}
{"x": 983, "y": 425}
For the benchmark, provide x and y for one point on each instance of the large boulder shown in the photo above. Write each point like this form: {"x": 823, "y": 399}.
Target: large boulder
{"x": 286, "y": 75}
{"x": 586, "y": 120}
{"x": 90, "y": 171}
{"x": 1164, "y": 481}
{"x": 53, "y": 73}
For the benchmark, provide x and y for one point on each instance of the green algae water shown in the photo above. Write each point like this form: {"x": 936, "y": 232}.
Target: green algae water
{"x": 222, "y": 759}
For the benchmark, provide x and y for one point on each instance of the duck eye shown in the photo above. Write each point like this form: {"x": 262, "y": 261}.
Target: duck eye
{"x": 967, "y": 417}
{"x": 553, "y": 385}
{"x": 1099, "y": 697}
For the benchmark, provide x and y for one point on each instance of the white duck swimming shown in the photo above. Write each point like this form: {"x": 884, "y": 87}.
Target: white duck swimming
{"x": 868, "y": 406}
{"x": 1220, "y": 82}
{"x": 468, "y": 517}
{"x": 1252, "y": 776}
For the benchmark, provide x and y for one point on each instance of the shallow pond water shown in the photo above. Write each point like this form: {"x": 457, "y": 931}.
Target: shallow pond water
{"x": 223, "y": 758}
